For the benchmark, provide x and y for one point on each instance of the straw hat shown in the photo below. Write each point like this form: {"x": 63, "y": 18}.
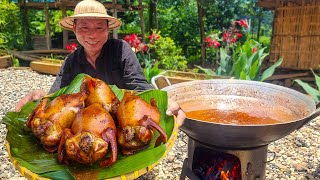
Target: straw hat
{"x": 89, "y": 9}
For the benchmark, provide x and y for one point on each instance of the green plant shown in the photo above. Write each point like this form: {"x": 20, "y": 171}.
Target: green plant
{"x": 244, "y": 62}
{"x": 11, "y": 33}
{"x": 15, "y": 61}
{"x": 151, "y": 69}
{"x": 314, "y": 93}
{"x": 168, "y": 54}
{"x": 265, "y": 42}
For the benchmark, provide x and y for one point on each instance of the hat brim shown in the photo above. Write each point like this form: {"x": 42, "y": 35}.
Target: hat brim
{"x": 67, "y": 22}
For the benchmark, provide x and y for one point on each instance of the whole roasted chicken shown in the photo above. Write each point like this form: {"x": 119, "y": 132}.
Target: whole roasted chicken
{"x": 48, "y": 122}
{"x": 100, "y": 92}
{"x": 137, "y": 118}
{"x": 87, "y": 141}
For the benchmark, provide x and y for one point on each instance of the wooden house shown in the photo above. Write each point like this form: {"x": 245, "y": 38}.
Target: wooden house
{"x": 296, "y": 32}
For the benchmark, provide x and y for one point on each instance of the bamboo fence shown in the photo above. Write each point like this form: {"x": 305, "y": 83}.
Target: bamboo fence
{"x": 296, "y": 34}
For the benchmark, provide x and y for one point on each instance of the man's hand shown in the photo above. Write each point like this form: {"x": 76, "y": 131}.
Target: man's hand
{"x": 174, "y": 109}
{"x": 35, "y": 95}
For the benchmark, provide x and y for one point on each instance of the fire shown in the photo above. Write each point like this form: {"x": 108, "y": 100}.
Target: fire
{"x": 219, "y": 167}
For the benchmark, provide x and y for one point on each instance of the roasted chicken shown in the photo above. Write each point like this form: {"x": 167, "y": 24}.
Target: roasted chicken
{"x": 137, "y": 118}
{"x": 48, "y": 122}
{"x": 100, "y": 92}
{"x": 87, "y": 141}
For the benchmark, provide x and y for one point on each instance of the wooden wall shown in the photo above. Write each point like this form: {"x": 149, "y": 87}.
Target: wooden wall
{"x": 296, "y": 34}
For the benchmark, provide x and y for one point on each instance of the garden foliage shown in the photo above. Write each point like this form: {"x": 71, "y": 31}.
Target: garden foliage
{"x": 11, "y": 33}
{"x": 160, "y": 52}
{"x": 313, "y": 92}
{"x": 242, "y": 61}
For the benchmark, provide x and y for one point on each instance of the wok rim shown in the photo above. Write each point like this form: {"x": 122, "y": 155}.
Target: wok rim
{"x": 303, "y": 97}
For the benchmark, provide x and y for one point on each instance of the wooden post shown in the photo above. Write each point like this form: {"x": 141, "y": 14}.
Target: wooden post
{"x": 200, "y": 17}
{"x": 64, "y": 32}
{"x": 114, "y": 14}
{"x": 141, "y": 20}
{"x": 46, "y": 14}
{"x": 25, "y": 25}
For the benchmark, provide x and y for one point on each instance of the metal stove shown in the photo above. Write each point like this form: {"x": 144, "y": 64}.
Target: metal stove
{"x": 252, "y": 160}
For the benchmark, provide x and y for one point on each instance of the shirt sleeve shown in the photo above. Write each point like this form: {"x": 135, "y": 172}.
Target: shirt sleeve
{"x": 133, "y": 75}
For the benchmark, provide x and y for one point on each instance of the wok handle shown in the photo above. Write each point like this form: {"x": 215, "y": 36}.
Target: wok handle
{"x": 155, "y": 78}
{"x": 306, "y": 120}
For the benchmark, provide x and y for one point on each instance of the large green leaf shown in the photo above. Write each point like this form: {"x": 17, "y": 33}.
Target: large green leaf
{"x": 317, "y": 78}
{"x": 268, "y": 72}
{"x": 314, "y": 93}
{"x": 27, "y": 150}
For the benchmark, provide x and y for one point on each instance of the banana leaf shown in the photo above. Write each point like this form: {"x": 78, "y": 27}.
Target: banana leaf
{"x": 28, "y": 151}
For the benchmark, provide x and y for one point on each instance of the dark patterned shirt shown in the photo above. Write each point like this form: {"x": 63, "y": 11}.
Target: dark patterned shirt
{"x": 116, "y": 65}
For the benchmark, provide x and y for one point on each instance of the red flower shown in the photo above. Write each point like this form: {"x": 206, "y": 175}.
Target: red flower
{"x": 153, "y": 37}
{"x": 133, "y": 40}
{"x": 233, "y": 40}
{"x": 239, "y": 35}
{"x": 145, "y": 48}
{"x": 71, "y": 47}
{"x": 243, "y": 23}
{"x": 212, "y": 42}
{"x": 216, "y": 44}
{"x": 254, "y": 50}
{"x": 208, "y": 39}
{"x": 225, "y": 36}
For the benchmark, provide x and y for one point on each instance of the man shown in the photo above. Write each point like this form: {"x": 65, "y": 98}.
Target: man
{"x": 111, "y": 60}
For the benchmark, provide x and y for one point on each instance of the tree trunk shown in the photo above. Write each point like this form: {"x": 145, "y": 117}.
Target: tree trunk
{"x": 25, "y": 25}
{"x": 141, "y": 20}
{"x": 153, "y": 19}
{"x": 114, "y": 14}
{"x": 64, "y": 32}
{"x": 201, "y": 23}
{"x": 46, "y": 15}
{"x": 156, "y": 14}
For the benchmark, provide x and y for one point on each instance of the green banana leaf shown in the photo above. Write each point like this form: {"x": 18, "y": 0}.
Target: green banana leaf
{"x": 28, "y": 151}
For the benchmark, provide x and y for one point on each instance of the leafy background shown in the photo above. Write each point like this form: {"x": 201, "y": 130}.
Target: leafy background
{"x": 28, "y": 151}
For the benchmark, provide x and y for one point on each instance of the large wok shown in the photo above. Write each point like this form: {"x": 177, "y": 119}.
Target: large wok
{"x": 240, "y": 94}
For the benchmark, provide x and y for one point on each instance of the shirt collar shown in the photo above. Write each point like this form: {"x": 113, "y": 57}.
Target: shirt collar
{"x": 82, "y": 58}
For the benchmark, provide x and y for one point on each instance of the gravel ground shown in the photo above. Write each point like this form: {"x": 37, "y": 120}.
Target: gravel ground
{"x": 297, "y": 155}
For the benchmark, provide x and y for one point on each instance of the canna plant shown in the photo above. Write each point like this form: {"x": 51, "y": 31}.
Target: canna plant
{"x": 313, "y": 92}
{"x": 245, "y": 62}
{"x": 234, "y": 59}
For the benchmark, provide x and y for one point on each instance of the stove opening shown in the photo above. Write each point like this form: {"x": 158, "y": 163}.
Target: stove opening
{"x": 209, "y": 164}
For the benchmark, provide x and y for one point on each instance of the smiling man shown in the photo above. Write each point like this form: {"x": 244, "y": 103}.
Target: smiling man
{"x": 111, "y": 60}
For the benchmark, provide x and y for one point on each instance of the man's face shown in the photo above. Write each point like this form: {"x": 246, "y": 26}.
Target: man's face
{"x": 91, "y": 33}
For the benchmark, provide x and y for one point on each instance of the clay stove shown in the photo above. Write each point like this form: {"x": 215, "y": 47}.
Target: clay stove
{"x": 215, "y": 163}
